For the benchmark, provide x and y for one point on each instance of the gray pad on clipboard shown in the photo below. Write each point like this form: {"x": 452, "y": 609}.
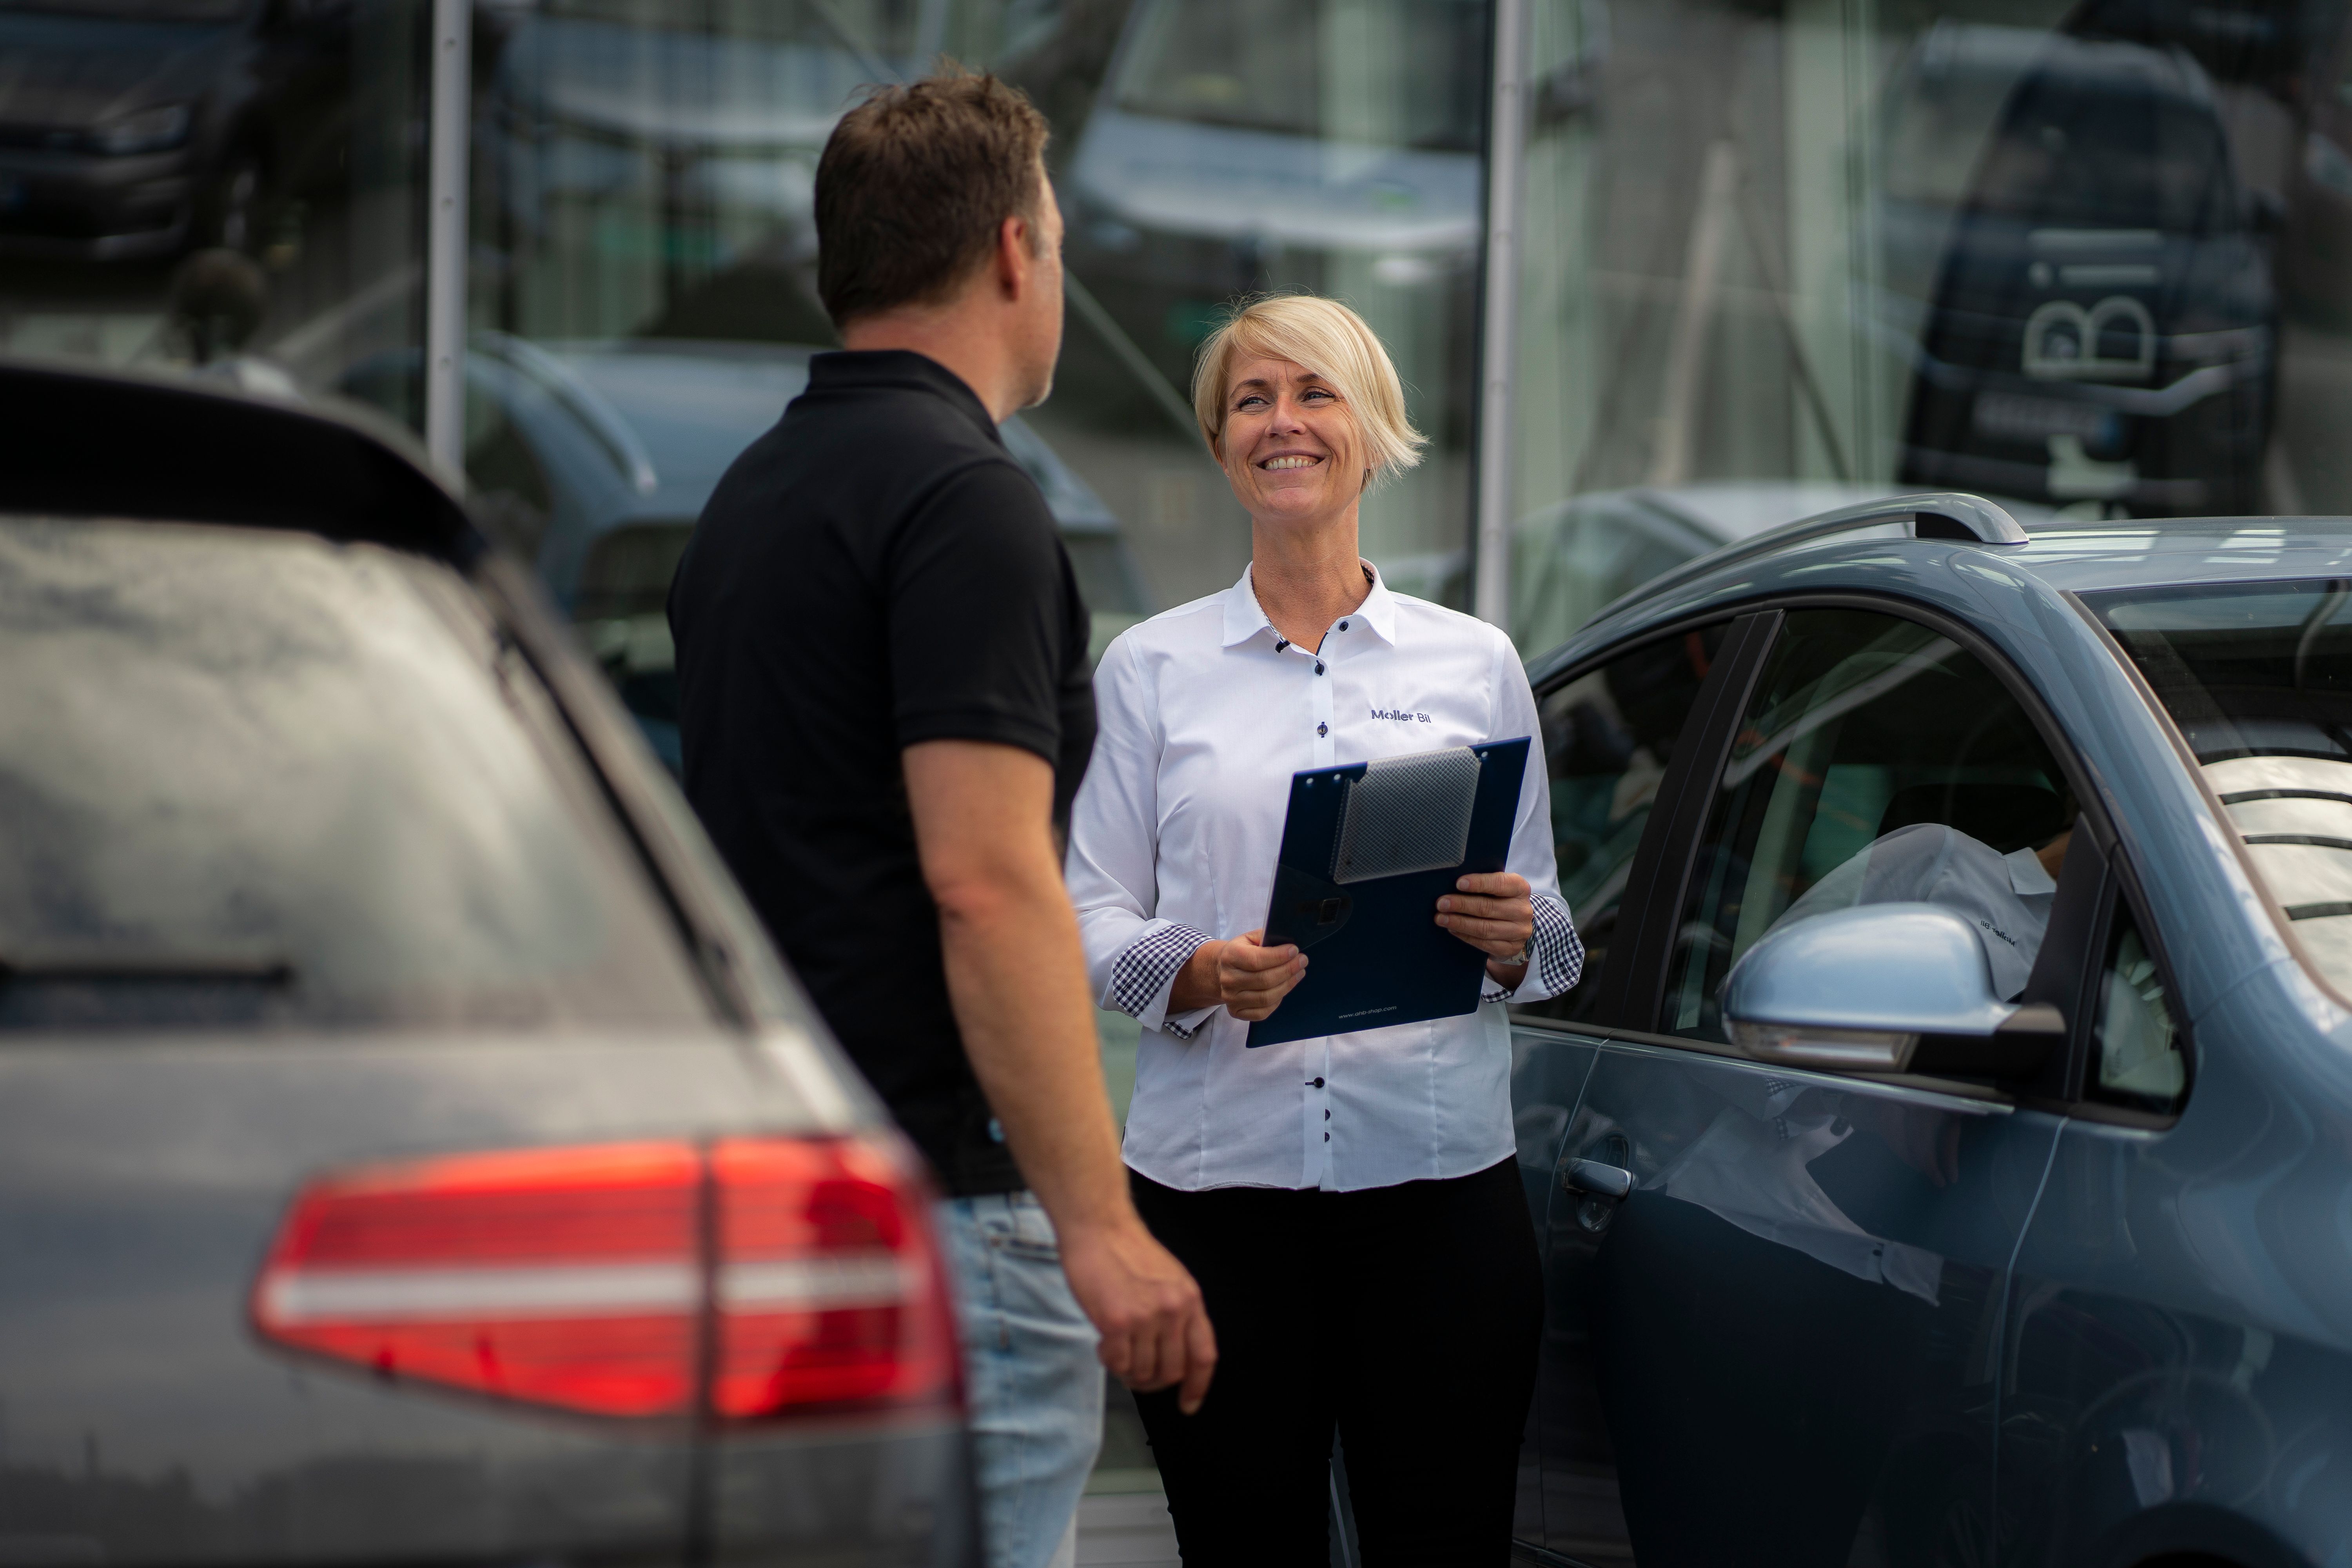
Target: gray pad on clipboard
{"x": 1407, "y": 814}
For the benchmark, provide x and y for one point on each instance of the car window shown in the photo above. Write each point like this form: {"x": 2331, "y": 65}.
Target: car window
{"x": 2257, "y": 675}
{"x": 1878, "y": 762}
{"x": 2136, "y": 1058}
{"x": 1607, "y": 736}
{"x": 254, "y": 778}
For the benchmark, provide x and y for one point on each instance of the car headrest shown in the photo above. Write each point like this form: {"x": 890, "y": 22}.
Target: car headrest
{"x": 2005, "y": 816}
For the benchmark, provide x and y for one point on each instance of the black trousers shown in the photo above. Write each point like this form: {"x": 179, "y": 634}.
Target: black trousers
{"x": 1405, "y": 1317}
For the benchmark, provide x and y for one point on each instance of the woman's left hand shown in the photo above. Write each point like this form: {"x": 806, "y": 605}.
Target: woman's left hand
{"x": 1493, "y": 911}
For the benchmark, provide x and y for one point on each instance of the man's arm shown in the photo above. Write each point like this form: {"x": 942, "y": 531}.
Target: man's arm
{"x": 1016, "y": 977}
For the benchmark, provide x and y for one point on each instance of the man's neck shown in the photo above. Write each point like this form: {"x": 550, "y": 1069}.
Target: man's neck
{"x": 949, "y": 336}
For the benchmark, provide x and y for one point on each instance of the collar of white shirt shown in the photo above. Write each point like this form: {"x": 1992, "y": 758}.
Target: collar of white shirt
{"x": 2026, "y": 877}
{"x": 1245, "y": 617}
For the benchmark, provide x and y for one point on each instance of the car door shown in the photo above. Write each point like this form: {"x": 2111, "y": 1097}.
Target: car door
{"x": 1612, "y": 730}
{"x": 1789, "y": 1281}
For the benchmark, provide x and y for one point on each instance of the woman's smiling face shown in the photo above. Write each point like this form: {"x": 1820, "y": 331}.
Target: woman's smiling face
{"x": 1290, "y": 443}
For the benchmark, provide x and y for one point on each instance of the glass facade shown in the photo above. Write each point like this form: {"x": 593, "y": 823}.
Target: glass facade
{"x": 1774, "y": 255}
{"x": 2089, "y": 257}
{"x": 227, "y": 185}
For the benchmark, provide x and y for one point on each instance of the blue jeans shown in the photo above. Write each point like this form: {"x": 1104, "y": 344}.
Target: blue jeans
{"x": 1032, "y": 1377}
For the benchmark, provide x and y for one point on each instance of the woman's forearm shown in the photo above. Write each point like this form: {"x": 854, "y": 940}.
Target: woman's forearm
{"x": 1196, "y": 983}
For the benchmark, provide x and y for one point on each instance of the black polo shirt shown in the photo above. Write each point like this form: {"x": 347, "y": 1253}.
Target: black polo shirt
{"x": 873, "y": 571}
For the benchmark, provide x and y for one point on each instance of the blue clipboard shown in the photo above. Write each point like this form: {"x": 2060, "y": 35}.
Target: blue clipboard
{"x": 1366, "y": 851}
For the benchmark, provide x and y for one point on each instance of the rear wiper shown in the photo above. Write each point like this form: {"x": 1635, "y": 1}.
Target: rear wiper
{"x": 171, "y": 968}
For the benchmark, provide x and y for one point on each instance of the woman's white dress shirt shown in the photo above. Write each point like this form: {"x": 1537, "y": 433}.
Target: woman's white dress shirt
{"x": 1204, "y": 713}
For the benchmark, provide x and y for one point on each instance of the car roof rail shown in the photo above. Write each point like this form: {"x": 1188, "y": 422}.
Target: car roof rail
{"x": 1933, "y": 514}
{"x": 88, "y": 442}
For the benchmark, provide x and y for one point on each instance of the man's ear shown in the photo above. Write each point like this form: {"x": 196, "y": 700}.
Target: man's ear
{"x": 1015, "y": 263}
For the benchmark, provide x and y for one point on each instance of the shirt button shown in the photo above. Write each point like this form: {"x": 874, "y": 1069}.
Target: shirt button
{"x": 1322, "y": 729}
{"x": 1327, "y": 1116}
{"x": 1318, "y": 667}
{"x": 1327, "y": 1137}
{"x": 1343, "y": 625}
{"x": 1316, "y": 1082}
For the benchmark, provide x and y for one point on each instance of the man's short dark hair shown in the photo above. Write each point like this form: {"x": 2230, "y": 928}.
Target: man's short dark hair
{"x": 913, "y": 186}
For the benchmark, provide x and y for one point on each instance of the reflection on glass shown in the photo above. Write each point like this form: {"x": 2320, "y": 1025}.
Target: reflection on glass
{"x": 2095, "y": 259}
{"x": 2140, "y": 1062}
{"x": 1332, "y": 146}
{"x": 596, "y": 457}
{"x": 2102, "y": 329}
{"x": 255, "y": 778}
{"x": 2257, "y": 675}
{"x": 1608, "y": 737}
{"x": 1877, "y": 763}
{"x": 1220, "y": 62}
{"x": 209, "y": 184}
{"x": 643, "y": 286}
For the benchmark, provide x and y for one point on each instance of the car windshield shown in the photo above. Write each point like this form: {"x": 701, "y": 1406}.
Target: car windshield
{"x": 253, "y": 778}
{"x": 2257, "y": 675}
{"x": 1226, "y": 62}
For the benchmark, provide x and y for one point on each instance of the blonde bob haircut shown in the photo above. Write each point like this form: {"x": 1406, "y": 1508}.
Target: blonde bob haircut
{"x": 1327, "y": 338}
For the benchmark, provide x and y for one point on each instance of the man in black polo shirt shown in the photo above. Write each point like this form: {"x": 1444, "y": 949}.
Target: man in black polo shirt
{"x": 886, "y": 710}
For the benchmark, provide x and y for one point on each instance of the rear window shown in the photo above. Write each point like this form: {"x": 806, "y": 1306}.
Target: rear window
{"x": 254, "y": 778}
{"x": 2257, "y": 675}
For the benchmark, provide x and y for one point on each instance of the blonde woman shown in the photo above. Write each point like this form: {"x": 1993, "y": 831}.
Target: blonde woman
{"x": 1349, "y": 1204}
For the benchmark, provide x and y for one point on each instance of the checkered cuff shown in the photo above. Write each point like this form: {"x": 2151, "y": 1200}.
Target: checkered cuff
{"x": 1556, "y": 964}
{"x": 1142, "y": 976}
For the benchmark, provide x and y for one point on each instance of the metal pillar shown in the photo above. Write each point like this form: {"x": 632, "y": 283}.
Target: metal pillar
{"x": 1505, "y": 191}
{"x": 445, "y": 237}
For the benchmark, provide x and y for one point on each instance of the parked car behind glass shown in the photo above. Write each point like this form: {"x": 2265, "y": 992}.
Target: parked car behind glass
{"x": 410, "y": 1149}
{"x": 1221, "y": 154}
{"x": 1944, "y": 1146}
{"x": 612, "y": 448}
{"x": 146, "y": 127}
{"x": 2104, "y": 325}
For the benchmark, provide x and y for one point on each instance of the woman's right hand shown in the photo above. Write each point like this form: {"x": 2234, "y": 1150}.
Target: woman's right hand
{"x": 1247, "y": 980}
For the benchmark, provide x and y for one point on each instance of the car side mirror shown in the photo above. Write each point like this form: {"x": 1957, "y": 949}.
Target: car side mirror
{"x": 1883, "y": 988}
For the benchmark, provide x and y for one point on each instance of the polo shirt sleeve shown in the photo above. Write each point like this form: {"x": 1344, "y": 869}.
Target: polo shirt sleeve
{"x": 1557, "y": 963}
{"x": 979, "y": 615}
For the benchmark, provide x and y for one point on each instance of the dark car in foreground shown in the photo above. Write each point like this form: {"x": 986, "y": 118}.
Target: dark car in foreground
{"x": 410, "y": 1149}
{"x": 1945, "y": 1156}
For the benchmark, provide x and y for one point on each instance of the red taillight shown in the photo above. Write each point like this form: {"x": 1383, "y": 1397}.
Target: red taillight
{"x": 587, "y": 1279}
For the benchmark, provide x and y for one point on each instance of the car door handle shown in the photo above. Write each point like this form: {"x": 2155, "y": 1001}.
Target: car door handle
{"x": 1593, "y": 1176}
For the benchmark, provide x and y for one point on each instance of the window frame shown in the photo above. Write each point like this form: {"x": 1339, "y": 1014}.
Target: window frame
{"x": 1733, "y": 671}
{"x": 1634, "y": 992}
